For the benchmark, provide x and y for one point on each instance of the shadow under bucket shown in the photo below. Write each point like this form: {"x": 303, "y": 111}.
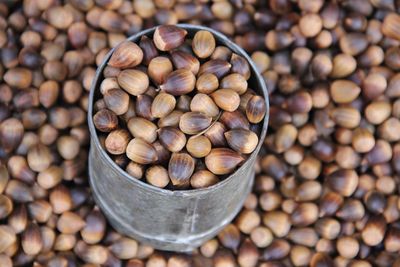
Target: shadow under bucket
{"x": 169, "y": 220}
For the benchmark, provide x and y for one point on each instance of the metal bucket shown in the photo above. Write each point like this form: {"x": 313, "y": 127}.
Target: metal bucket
{"x": 169, "y": 220}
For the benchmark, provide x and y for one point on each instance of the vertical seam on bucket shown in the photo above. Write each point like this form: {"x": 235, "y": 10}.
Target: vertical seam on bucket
{"x": 194, "y": 215}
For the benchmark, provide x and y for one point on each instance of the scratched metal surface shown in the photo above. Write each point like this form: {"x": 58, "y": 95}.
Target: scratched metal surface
{"x": 169, "y": 220}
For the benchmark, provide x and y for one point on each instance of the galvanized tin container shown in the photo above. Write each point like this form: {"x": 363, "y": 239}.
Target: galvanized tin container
{"x": 169, "y": 220}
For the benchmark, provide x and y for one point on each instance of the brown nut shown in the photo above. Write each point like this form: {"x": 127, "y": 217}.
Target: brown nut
{"x": 142, "y": 128}
{"x": 203, "y": 44}
{"x": 194, "y": 122}
{"x": 207, "y": 83}
{"x": 162, "y": 105}
{"x": 226, "y": 99}
{"x": 241, "y": 140}
{"x": 183, "y": 60}
{"x": 159, "y": 68}
{"x": 126, "y": 55}
{"x": 198, "y": 146}
{"x": 117, "y": 141}
{"x": 218, "y": 67}
{"x": 236, "y": 82}
{"x": 204, "y": 104}
{"x": 256, "y": 109}
{"x": 180, "y": 169}
{"x": 222, "y": 161}
{"x": 203, "y": 178}
{"x": 105, "y": 120}
{"x": 157, "y": 176}
{"x": 133, "y": 81}
{"x": 141, "y": 152}
{"x": 117, "y": 101}
{"x": 168, "y": 37}
{"x": 172, "y": 139}
{"x": 179, "y": 82}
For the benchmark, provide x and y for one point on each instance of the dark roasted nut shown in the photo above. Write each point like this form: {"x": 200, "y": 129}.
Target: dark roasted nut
{"x": 172, "y": 139}
{"x": 204, "y": 104}
{"x": 179, "y": 82}
{"x": 241, "y": 140}
{"x": 168, "y": 37}
{"x": 142, "y": 128}
{"x": 207, "y": 83}
{"x": 240, "y": 65}
{"x": 157, "y": 176}
{"x": 148, "y": 49}
{"x": 194, "y": 122}
{"x": 180, "y": 169}
{"x": 117, "y": 141}
{"x": 162, "y": 105}
{"x": 203, "y": 44}
{"x": 126, "y": 55}
{"x": 159, "y": 68}
{"x": 256, "y": 109}
{"x": 222, "y": 160}
{"x": 117, "y": 101}
{"x": 105, "y": 120}
{"x": 216, "y": 134}
{"x": 343, "y": 181}
{"x": 226, "y": 99}
{"x": 234, "y": 120}
{"x": 183, "y": 60}
{"x": 198, "y": 146}
{"x": 141, "y": 152}
{"x": 143, "y": 107}
{"x": 135, "y": 82}
{"x": 218, "y": 67}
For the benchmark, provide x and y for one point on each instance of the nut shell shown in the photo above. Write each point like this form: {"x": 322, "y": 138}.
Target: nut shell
{"x": 203, "y": 44}
{"x": 218, "y": 67}
{"x": 256, "y": 109}
{"x": 222, "y": 161}
{"x": 172, "y": 139}
{"x": 183, "y": 60}
{"x": 241, "y": 140}
{"x": 204, "y": 104}
{"x": 236, "y": 82}
{"x": 117, "y": 141}
{"x": 135, "y": 82}
{"x": 141, "y": 152}
{"x": 105, "y": 120}
{"x": 162, "y": 105}
{"x": 203, "y": 178}
{"x": 159, "y": 68}
{"x": 226, "y": 99}
{"x": 126, "y": 55}
{"x": 180, "y": 169}
{"x": 207, "y": 83}
{"x": 198, "y": 146}
{"x": 168, "y": 37}
{"x": 194, "y": 122}
{"x": 179, "y": 82}
{"x": 117, "y": 101}
{"x": 157, "y": 176}
{"x": 142, "y": 128}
